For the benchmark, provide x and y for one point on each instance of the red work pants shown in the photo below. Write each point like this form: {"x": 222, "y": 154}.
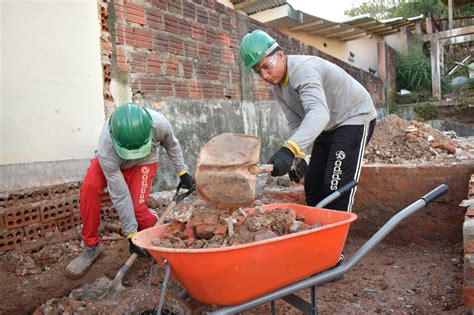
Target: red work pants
{"x": 138, "y": 179}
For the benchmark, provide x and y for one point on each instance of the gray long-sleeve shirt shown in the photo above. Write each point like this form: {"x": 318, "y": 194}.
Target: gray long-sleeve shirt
{"x": 112, "y": 164}
{"x": 320, "y": 96}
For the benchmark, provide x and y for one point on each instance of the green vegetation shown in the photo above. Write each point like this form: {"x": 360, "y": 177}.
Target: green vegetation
{"x": 414, "y": 69}
{"x": 413, "y": 72}
{"x": 385, "y": 9}
{"x": 427, "y": 112}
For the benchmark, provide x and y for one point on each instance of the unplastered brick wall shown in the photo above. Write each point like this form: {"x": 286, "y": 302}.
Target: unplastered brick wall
{"x": 189, "y": 50}
{"x": 30, "y": 215}
{"x": 468, "y": 235}
{"x": 177, "y": 49}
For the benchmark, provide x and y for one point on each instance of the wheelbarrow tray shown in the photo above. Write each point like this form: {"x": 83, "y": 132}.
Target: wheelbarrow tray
{"x": 231, "y": 275}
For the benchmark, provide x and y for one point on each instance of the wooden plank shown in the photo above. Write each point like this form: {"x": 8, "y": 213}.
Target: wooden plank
{"x": 452, "y": 33}
{"x": 435, "y": 70}
{"x": 337, "y": 34}
{"x": 450, "y": 14}
{"x": 352, "y": 37}
{"x": 457, "y": 40}
{"x": 325, "y": 29}
{"x": 306, "y": 25}
{"x": 429, "y": 25}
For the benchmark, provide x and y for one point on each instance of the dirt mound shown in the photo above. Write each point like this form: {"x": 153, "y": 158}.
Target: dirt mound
{"x": 398, "y": 141}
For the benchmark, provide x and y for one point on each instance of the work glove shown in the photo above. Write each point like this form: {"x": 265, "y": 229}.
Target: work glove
{"x": 298, "y": 169}
{"x": 282, "y": 161}
{"x": 137, "y": 250}
{"x": 134, "y": 248}
{"x": 187, "y": 181}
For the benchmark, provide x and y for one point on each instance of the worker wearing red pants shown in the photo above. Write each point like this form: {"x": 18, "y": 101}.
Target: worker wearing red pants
{"x": 126, "y": 162}
{"x": 138, "y": 179}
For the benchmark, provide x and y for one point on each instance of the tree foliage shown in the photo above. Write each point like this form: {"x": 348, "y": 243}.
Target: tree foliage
{"x": 385, "y": 9}
{"x": 377, "y": 9}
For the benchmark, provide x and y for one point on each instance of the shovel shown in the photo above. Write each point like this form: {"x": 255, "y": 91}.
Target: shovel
{"x": 226, "y": 170}
{"x": 116, "y": 284}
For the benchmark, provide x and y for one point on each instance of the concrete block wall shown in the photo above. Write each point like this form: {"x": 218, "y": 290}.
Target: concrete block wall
{"x": 30, "y": 215}
{"x": 468, "y": 235}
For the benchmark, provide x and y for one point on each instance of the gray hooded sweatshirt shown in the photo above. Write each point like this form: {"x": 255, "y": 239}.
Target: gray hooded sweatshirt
{"x": 112, "y": 164}
{"x": 320, "y": 96}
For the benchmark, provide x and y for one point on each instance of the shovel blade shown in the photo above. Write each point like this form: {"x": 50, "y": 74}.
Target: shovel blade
{"x": 222, "y": 173}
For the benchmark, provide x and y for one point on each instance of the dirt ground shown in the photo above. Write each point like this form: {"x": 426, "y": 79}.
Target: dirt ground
{"x": 394, "y": 278}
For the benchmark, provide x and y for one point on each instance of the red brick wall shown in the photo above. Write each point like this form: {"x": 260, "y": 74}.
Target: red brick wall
{"x": 189, "y": 50}
{"x": 468, "y": 235}
{"x": 178, "y": 49}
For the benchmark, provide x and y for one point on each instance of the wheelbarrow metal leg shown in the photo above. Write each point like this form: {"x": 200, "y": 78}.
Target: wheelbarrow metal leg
{"x": 272, "y": 304}
{"x": 165, "y": 285}
{"x": 314, "y": 306}
{"x": 152, "y": 270}
{"x": 301, "y": 304}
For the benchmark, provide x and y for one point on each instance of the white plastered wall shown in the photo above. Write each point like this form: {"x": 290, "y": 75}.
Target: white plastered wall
{"x": 51, "y": 80}
{"x": 364, "y": 49}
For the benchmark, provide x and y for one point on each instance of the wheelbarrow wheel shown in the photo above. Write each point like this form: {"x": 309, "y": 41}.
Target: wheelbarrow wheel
{"x": 142, "y": 301}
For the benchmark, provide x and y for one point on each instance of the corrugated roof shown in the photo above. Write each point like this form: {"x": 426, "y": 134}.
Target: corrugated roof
{"x": 254, "y": 6}
{"x": 351, "y": 29}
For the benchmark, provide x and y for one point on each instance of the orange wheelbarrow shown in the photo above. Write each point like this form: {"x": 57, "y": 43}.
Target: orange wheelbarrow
{"x": 244, "y": 276}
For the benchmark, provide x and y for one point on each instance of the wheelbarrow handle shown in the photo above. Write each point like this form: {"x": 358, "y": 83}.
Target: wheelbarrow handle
{"x": 435, "y": 193}
{"x": 260, "y": 168}
{"x": 341, "y": 191}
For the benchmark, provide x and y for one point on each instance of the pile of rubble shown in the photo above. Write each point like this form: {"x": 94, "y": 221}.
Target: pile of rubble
{"x": 213, "y": 228}
{"x": 398, "y": 141}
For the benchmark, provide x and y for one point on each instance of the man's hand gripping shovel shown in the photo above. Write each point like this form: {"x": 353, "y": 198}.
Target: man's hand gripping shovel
{"x": 116, "y": 284}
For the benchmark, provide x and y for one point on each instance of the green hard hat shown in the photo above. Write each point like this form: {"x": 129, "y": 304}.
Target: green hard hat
{"x": 131, "y": 129}
{"x": 253, "y": 47}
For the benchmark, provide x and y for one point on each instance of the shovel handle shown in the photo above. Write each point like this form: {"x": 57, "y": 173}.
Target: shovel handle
{"x": 166, "y": 213}
{"x": 131, "y": 260}
{"x": 260, "y": 168}
{"x": 176, "y": 199}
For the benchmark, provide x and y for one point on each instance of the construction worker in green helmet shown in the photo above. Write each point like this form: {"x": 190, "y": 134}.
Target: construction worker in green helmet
{"x": 325, "y": 107}
{"x": 125, "y": 163}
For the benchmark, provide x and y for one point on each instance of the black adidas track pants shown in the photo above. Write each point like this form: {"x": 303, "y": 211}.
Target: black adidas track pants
{"x": 336, "y": 159}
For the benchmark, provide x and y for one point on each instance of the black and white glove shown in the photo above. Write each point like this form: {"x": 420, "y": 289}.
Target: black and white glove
{"x": 282, "y": 161}
{"x": 298, "y": 169}
{"x": 187, "y": 181}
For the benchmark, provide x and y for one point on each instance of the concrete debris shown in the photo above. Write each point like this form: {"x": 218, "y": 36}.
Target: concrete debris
{"x": 398, "y": 141}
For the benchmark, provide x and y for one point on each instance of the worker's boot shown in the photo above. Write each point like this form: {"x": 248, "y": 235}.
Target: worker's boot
{"x": 79, "y": 265}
